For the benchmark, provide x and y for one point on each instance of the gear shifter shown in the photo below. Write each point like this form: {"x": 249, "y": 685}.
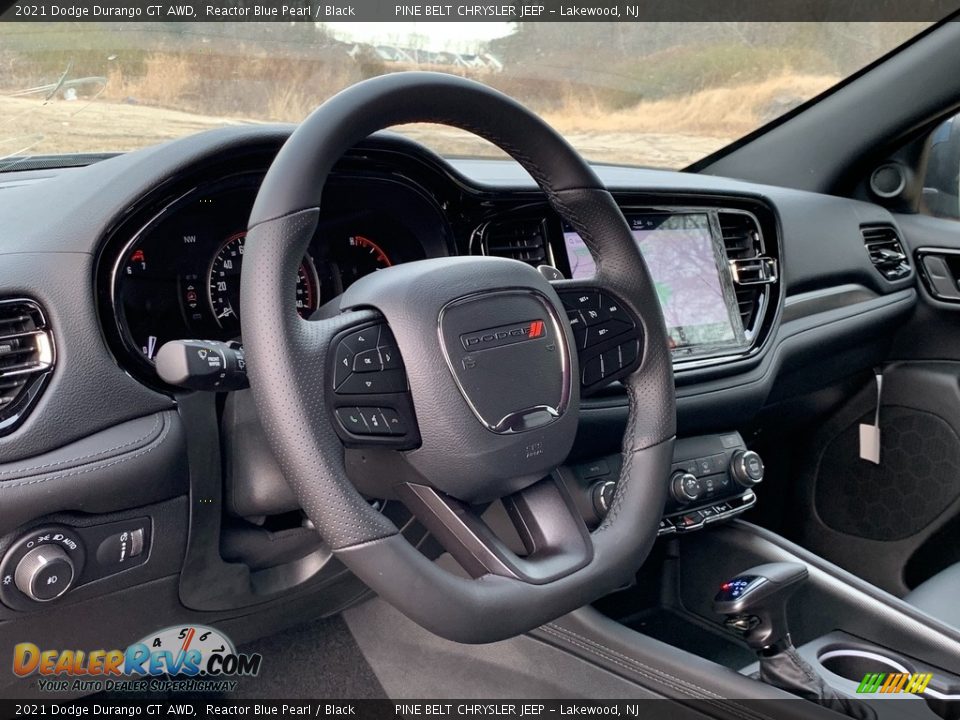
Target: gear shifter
{"x": 755, "y": 606}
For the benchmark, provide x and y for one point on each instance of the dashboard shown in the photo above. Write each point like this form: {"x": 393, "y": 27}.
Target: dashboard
{"x": 172, "y": 269}
{"x": 159, "y": 232}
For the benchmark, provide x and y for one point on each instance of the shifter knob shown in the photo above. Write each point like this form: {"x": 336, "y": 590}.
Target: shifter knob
{"x": 755, "y": 602}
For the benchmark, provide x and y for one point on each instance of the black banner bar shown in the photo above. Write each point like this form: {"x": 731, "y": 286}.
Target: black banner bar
{"x": 648, "y": 709}
{"x": 479, "y": 11}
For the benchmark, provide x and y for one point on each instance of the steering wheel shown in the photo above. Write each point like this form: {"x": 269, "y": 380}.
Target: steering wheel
{"x": 457, "y": 380}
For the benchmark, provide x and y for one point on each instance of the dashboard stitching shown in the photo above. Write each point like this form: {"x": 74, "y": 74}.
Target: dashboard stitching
{"x": 99, "y": 454}
{"x": 94, "y": 466}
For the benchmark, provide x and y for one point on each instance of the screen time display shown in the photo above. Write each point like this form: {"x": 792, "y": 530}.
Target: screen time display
{"x": 680, "y": 252}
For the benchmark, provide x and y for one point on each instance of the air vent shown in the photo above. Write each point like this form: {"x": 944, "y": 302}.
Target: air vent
{"x": 522, "y": 239}
{"x": 886, "y": 251}
{"x": 752, "y": 270}
{"x": 26, "y": 356}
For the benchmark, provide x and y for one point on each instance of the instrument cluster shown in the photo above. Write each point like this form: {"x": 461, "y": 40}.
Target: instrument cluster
{"x": 179, "y": 276}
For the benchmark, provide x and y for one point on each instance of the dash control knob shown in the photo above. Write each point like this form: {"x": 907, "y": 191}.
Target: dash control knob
{"x": 602, "y": 496}
{"x": 746, "y": 467}
{"x": 44, "y": 573}
{"x": 685, "y": 487}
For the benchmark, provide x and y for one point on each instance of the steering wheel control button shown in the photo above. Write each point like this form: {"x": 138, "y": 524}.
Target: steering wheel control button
{"x": 367, "y": 361}
{"x": 374, "y": 421}
{"x": 352, "y": 420}
{"x": 344, "y": 364}
{"x": 593, "y": 370}
{"x": 629, "y": 352}
{"x": 390, "y": 357}
{"x": 605, "y": 330}
{"x": 392, "y": 421}
{"x": 362, "y": 340}
{"x": 602, "y": 328}
{"x": 581, "y": 300}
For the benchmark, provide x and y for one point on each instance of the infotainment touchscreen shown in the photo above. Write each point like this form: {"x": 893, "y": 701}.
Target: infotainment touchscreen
{"x": 691, "y": 276}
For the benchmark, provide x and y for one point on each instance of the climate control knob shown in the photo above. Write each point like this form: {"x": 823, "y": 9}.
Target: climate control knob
{"x": 685, "y": 487}
{"x": 44, "y": 573}
{"x": 746, "y": 468}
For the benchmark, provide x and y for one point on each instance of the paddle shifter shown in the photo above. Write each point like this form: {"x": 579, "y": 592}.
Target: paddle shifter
{"x": 755, "y": 606}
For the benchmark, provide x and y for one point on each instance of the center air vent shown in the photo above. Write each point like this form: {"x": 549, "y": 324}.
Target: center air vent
{"x": 886, "y": 251}
{"x": 752, "y": 270}
{"x": 521, "y": 239}
{"x": 26, "y": 356}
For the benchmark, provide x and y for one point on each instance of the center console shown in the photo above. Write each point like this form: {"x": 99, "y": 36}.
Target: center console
{"x": 712, "y": 480}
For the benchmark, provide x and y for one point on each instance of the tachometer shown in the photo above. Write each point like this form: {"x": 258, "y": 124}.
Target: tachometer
{"x": 224, "y": 284}
{"x": 360, "y": 257}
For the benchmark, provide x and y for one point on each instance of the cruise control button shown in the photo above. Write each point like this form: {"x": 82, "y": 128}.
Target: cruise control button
{"x": 593, "y": 371}
{"x": 352, "y": 420}
{"x": 611, "y": 361}
{"x": 592, "y": 316}
{"x": 387, "y": 381}
{"x": 390, "y": 357}
{"x": 588, "y": 299}
{"x": 367, "y": 361}
{"x": 393, "y": 421}
{"x": 611, "y": 309}
{"x": 604, "y": 331}
{"x": 629, "y": 352}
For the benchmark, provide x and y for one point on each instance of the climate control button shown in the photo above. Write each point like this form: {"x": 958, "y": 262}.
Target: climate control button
{"x": 685, "y": 487}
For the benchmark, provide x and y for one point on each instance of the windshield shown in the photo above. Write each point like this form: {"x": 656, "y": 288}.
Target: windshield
{"x": 650, "y": 94}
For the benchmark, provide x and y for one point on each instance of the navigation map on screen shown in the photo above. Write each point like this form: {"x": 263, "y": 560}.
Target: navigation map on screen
{"x": 680, "y": 253}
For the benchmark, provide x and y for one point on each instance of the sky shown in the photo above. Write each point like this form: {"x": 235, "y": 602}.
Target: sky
{"x": 434, "y": 36}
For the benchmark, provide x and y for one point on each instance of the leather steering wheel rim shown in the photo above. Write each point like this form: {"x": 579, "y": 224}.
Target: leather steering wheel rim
{"x": 287, "y": 356}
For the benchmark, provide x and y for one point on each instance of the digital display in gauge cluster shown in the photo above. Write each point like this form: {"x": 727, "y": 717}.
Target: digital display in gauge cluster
{"x": 179, "y": 277}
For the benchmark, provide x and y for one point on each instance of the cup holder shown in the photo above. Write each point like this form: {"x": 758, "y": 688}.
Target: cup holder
{"x": 854, "y": 665}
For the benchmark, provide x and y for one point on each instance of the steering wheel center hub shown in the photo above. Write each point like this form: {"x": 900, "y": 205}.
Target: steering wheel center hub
{"x": 515, "y": 375}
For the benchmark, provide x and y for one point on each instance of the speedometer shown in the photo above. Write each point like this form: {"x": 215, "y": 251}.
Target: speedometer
{"x": 223, "y": 281}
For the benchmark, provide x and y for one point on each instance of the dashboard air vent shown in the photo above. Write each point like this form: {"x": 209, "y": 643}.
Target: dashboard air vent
{"x": 522, "y": 239}
{"x": 752, "y": 270}
{"x": 886, "y": 251}
{"x": 26, "y": 356}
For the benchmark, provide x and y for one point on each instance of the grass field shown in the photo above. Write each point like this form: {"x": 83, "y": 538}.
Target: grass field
{"x": 663, "y": 133}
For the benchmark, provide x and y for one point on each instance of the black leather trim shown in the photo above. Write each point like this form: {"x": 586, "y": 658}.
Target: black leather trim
{"x": 131, "y": 464}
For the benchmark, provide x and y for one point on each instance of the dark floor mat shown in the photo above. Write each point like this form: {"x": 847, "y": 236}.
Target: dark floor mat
{"x": 316, "y": 660}
{"x": 672, "y": 628}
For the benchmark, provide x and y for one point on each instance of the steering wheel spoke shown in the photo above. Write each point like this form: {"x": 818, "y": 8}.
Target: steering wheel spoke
{"x": 607, "y": 334}
{"x": 555, "y": 539}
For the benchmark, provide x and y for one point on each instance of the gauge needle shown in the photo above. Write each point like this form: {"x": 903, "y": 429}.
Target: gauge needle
{"x": 151, "y": 346}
